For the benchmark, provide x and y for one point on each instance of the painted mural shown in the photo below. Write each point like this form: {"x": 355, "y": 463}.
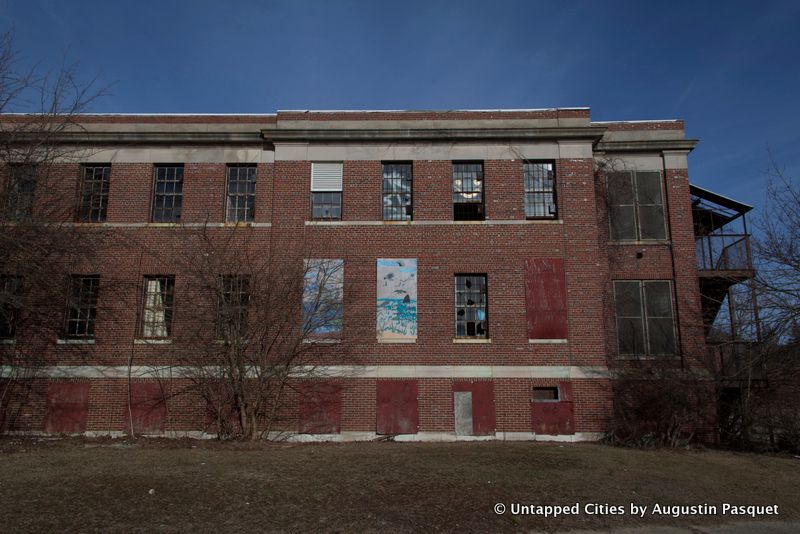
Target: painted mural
{"x": 397, "y": 300}
{"x": 322, "y": 298}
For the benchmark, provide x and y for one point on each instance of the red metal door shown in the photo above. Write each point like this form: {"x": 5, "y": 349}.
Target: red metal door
{"x": 397, "y": 407}
{"x": 148, "y": 407}
{"x": 320, "y": 408}
{"x": 67, "y": 407}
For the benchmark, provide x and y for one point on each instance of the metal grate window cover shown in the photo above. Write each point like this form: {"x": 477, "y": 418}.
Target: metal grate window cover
{"x": 94, "y": 193}
{"x": 167, "y": 193}
{"x": 471, "y": 306}
{"x": 540, "y": 192}
{"x": 157, "y": 306}
{"x": 326, "y": 176}
{"x": 82, "y": 292}
{"x": 468, "y": 198}
{"x": 645, "y": 324}
{"x": 241, "y": 197}
{"x": 397, "y": 192}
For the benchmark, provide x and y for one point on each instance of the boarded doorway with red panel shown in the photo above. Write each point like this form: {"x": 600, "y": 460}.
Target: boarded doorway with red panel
{"x": 148, "y": 407}
{"x": 320, "y": 410}
{"x": 552, "y": 411}
{"x": 473, "y": 408}
{"x": 67, "y": 407}
{"x": 397, "y": 408}
{"x": 546, "y": 298}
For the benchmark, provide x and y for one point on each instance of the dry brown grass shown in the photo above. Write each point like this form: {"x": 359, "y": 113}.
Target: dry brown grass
{"x": 78, "y": 485}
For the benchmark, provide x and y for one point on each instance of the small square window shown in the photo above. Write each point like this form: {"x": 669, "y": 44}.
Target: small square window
{"x": 545, "y": 394}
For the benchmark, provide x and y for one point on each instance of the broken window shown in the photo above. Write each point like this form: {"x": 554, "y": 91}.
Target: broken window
{"x": 241, "y": 205}
{"x": 645, "y": 323}
{"x": 82, "y": 294}
{"x": 10, "y": 288}
{"x": 168, "y": 193}
{"x": 323, "y": 292}
{"x": 468, "y": 201}
{"x": 636, "y": 206}
{"x": 540, "y": 191}
{"x": 397, "y": 204}
{"x": 157, "y": 306}
{"x": 471, "y": 316}
{"x": 21, "y": 187}
{"x": 94, "y": 193}
{"x": 545, "y": 394}
{"x": 233, "y": 300}
{"x": 326, "y": 191}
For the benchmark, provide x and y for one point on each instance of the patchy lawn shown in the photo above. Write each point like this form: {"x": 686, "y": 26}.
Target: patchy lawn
{"x": 72, "y": 485}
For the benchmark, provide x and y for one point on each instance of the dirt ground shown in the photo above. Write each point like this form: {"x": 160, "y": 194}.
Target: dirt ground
{"x": 150, "y": 485}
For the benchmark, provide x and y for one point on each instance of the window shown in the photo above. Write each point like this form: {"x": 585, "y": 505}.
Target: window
{"x": 94, "y": 193}
{"x": 323, "y": 296}
{"x": 471, "y": 319}
{"x": 644, "y": 317}
{"x": 10, "y": 287}
{"x": 545, "y": 394}
{"x": 241, "y": 193}
{"x": 397, "y": 204}
{"x": 540, "y": 191}
{"x": 468, "y": 192}
{"x": 81, "y": 306}
{"x": 636, "y": 206}
{"x": 326, "y": 191}
{"x": 21, "y": 186}
{"x": 168, "y": 193}
{"x": 157, "y": 306}
{"x": 232, "y": 304}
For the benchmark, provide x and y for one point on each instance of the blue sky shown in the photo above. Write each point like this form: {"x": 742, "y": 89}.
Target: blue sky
{"x": 730, "y": 69}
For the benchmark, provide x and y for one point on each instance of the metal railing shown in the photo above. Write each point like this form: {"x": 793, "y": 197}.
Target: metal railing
{"x": 723, "y": 252}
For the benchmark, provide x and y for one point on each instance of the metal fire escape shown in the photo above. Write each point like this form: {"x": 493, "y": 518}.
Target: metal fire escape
{"x": 725, "y": 267}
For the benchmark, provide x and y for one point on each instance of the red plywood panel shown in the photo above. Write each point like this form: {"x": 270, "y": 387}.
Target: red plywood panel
{"x": 67, "y": 407}
{"x": 148, "y": 407}
{"x": 554, "y": 418}
{"x": 397, "y": 407}
{"x": 320, "y": 408}
{"x": 546, "y": 298}
{"x": 483, "y": 412}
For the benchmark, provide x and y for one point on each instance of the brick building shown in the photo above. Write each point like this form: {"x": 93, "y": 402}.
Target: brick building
{"x": 499, "y": 263}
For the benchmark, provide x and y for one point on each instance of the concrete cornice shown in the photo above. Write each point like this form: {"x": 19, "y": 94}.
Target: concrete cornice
{"x": 650, "y": 145}
{"x": 590, "y": 133}
{"x": 107, "y": 138}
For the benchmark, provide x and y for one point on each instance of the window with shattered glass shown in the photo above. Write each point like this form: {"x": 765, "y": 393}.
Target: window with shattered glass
{"x": 157, "y": 309}
{"x": 471, "y": 306}
{"x": 397, "y": 186}
{"x": 645, "y": 324}
{"x": 636, "y": 206}
{"x": 540, "y": 192}
{"x": 468, "y": 198}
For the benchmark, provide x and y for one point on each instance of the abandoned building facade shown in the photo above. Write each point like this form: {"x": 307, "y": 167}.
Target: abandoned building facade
{"x": 485, "y": 269}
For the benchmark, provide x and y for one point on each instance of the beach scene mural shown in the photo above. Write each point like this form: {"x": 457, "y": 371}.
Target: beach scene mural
{"x": 397, "y": 300}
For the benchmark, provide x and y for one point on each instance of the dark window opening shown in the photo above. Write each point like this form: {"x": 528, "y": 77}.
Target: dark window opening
{"x": 21, "y": 187}
{"x": 636, "y": 206}
{"x": 168, "y": 193}
{"x": 10, "y": 289}
{"x": 94, "y": 193}
{"x": 82, "y": 294}
{"x": 232, "y": 303}
{"x": 241, "y": 205}
{"x": 468, "y": 199}
{"x": 157, "y": 306}
{"x": 326, "y": 206}
{"x": 540, "y": 191}
{"x": 645, "y": 324}
{"x": 545, "y": 394}
{"x": 397, "y": 191}
{"x": 471, "y": 306}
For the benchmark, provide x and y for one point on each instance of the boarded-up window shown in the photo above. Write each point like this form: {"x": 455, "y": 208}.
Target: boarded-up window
{"x": 67, "y": 407}
{"x": 397, "y": 411}
{"x": 552, "y": 411}
{"x": 148, "y": 407}
{"x": 546, "y": 298}
{"x": 636, "y": 206}
{"x": 320, "y": 408}
{"x": 473, "y": 408}
{"x": 645, "y": 324}
{"x": 396, "y": 306}
{"x": 323, "y": 293}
